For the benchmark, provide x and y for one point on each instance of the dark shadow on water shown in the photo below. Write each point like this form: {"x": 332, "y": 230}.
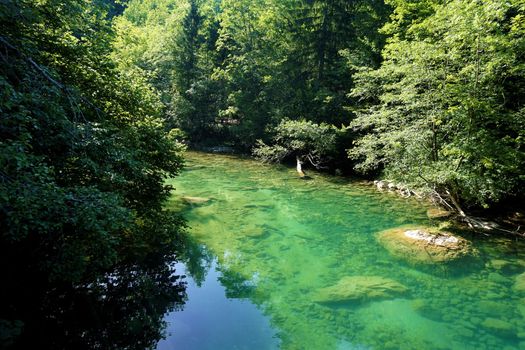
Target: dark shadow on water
{"x": 122, "y": 310}
{"x": 198, "y": 260}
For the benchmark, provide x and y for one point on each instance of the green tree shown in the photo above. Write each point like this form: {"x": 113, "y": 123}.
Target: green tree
{"x": 236, "y": 68}
{"x": 196, "y": 97}
{"x": 83, "y": 158}
{"x": 303, "y": 140}
{"x": 444, "y": 112}
{"x": 320, "y": 35}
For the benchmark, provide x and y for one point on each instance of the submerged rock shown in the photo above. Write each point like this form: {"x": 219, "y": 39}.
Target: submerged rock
{"x": 359, "y": 288}
{"x": 195, "y": 200}
{"x": 428, "y": 309}
{"x": 519, "y": 285}
{"x": 498, "y": 326}
{"x": 497, "y": 278}
{"x": 438, "y": 213}
{"x": 424, "y": 245}
{"x": 491, "y": 308}
{"x": 253, "y": 231}
{"x": 499, "y": 264}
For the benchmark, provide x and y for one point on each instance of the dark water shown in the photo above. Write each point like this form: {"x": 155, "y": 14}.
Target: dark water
{"x": 267, "y": 242}
{"x": 123, "y": 310}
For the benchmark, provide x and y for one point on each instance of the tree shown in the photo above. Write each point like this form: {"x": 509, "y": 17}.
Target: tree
{"x": 443, "y": 112}
{"x": 237, "y": 68}
{"x": 196, "y": 97}
{"x": 83, "y": 159}
{"x": 304, "y": 140}
{"x": 319, "y": 35}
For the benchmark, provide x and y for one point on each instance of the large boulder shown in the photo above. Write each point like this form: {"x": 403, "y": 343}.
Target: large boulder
{"x": 359, "y": 288}
{"x": 422, "y": 245}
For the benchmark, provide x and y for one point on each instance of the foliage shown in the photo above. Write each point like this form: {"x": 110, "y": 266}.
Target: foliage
{"x": 88, "y": 91}
{"x": 172, "y": 43}
{"x": 444, "y": 111}
{"x": 232, "y": 69}
{"x": 439, "y": 107}
{"x": 303, "y": 139}
{"x": 83, "y": 159}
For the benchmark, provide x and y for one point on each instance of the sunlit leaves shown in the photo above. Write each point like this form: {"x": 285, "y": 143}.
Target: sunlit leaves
{"x": 440, "y": 115}
{"x": 83, "y": 154}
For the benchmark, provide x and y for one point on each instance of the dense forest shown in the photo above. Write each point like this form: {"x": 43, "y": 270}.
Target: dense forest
{"x": 85, "y": 247}
{"x": 100, "y": 98}
{"x": 426, "y": 93}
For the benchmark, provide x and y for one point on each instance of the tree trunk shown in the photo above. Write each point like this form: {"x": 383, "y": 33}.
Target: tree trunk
{"x": 299, "y": 167}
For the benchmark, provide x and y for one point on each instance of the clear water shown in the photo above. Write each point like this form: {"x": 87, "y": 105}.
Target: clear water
{"x": 267, "y": 241}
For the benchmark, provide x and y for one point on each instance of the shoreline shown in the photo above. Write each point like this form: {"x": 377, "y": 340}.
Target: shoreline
{"x": 487, "y": 222}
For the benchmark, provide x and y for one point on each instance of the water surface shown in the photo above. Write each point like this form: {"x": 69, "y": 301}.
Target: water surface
{"x": 267, "y": 241}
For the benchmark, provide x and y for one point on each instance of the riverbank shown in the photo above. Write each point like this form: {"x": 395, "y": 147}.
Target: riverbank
{"x": 506, "y": 219}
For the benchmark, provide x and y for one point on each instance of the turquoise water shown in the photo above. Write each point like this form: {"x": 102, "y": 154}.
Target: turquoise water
{"x": 267, "y": 242}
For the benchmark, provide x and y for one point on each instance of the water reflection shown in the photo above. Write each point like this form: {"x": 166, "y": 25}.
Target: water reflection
{"x": 219, "y": 315}
{"x": 123, "y": 310}
{"x": 197, "y": 261}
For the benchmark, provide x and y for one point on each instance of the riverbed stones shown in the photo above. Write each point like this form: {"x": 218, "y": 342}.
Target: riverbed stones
{"x": 359, "y": 288}
{"x": 437, "y": 213}
{"x": 423, "y": 245}
{"x": 253, "y": 231}
{"x": 499, "y": 264}
{"x": 195, "y": 200}
{"x": 519, "y": 284}
{"x": 428, "y": 309}
{"x": 493, "y": 308}
{"x": 497, "y": 326}
{"x": 505, "y": 267}
{"x": 497, "y": 278}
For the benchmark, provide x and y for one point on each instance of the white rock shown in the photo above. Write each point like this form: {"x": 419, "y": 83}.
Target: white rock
{"x": 441, "y": 240}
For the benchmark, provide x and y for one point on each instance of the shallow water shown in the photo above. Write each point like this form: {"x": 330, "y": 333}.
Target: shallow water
{"x": 267, "y": 242}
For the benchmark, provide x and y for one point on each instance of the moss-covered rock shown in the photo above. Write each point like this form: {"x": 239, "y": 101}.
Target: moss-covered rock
{"x": 438, "y": 213}
{"x": 423, "y": 245}
{"x": 428, "y": 309}
{"x": 253, "y": 231}
{"x": 505, "y": 267}
{"x": 359, "y": 288}
{"x": 491, "y": 308}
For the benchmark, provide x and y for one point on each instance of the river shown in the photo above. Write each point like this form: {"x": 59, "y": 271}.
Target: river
{"x": 267, "y": 241}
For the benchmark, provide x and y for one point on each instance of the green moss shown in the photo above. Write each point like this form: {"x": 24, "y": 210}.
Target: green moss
{"x": 423, "y": 245}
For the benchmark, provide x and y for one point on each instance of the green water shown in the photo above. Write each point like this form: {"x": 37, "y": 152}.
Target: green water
{"x": 269, "y": 241}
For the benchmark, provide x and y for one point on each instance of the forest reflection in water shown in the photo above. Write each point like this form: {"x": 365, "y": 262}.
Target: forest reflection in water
{"x": 122, "y": 310}
{"x": 222, "y": 310}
